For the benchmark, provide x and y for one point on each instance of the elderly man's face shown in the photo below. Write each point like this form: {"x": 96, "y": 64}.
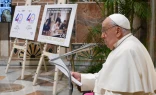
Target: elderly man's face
{"x": 109, "y": 33}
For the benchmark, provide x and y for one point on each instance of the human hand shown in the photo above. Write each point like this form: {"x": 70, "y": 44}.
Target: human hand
{"x": 76, "y": 75}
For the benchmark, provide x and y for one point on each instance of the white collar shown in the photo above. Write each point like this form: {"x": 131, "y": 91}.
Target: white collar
{"x": 121, "y": 40}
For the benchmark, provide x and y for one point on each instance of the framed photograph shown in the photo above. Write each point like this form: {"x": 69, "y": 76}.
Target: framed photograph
{"x": 57, "y": 23}
{"x": 25, "y": 22}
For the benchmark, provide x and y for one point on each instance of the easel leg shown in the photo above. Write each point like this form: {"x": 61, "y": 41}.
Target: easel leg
{"x": 45, "y": 67}
{"x": 38, "y": 69}
{"x": 59, "y": 51}
{"x": 8, "y": 64}
{"x": 55, "y": 80}
{"x": 24, "y": 60}
{"x": 39, "y": 65}
{"x": 12, "y": 51}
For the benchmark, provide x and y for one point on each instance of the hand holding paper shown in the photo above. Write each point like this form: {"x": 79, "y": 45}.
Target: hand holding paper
{"x": 62, "y": 67}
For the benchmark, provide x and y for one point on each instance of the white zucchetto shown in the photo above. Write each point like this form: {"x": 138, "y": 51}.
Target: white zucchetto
{"x": 120, "y": 20}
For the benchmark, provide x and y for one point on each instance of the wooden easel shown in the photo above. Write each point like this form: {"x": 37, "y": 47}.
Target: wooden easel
{"x": 60, "y": 50}
{"x": 24, "y": 48}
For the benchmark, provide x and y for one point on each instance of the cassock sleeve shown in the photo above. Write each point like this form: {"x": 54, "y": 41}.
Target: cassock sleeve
{"x": 88, "y": 81}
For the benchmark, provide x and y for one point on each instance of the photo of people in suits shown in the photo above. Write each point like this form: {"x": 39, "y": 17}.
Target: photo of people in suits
{"x": 56, "y": 22}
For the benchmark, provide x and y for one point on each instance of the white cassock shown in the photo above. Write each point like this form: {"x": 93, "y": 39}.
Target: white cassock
{"x": 128, "y": 70}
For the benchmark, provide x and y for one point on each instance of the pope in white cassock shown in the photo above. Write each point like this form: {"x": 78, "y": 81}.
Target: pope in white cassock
{"x": 128, "y": 69}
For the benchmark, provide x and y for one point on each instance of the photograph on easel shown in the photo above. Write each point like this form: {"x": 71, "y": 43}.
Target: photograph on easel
{"x": 25, "y": 22}
{"x": 57, "y": 23}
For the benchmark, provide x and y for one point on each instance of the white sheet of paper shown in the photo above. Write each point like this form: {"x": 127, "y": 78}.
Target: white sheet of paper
{"x": 61, "y": 66}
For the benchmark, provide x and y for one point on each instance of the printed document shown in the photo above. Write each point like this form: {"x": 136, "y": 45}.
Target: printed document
{"x": 62, "y": 67}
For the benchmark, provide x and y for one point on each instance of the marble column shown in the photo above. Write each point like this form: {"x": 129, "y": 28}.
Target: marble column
{"x": 152, "y": 31}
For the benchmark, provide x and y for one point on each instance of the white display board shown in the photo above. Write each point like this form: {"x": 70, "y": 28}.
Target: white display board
{"x": 25, "y": 22}
{"x": 57, "y": 23}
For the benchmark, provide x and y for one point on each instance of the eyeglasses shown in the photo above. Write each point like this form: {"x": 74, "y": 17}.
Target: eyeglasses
{"x": 105, "y": 30}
